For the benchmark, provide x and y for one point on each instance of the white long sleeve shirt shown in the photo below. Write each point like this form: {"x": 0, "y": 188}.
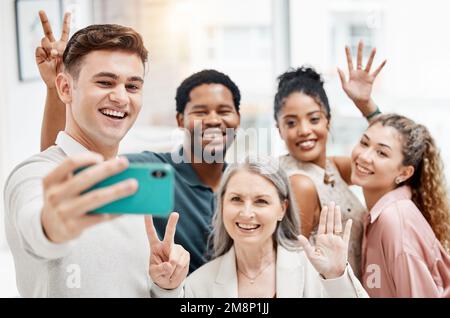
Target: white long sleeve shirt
{"x": 107, "y": 260}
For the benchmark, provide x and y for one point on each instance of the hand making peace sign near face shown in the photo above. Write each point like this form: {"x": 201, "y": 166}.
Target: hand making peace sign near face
{"x": 49, "y": 54}
{"x": 169, "y": 262}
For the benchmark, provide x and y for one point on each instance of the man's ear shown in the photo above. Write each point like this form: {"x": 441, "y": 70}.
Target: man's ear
{"x": 64, "y": 83}
{"x": 180, "y": 120}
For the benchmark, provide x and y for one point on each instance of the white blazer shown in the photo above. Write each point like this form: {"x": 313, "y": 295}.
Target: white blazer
{"x": 295, "y": 278}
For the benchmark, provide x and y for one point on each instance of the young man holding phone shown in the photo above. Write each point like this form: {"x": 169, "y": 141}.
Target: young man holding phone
{"x": 207, "y": 106}
{"x": 58, "y": 252}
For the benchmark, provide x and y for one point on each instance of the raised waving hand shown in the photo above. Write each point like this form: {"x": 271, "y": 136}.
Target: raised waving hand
{"x": 49, "y": 54}
{"x": 359, "y": 85}
{"x": 329, "y": 255}
{"x": 169, "y": 262}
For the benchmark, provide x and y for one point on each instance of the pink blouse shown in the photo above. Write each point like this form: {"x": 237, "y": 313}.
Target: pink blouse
{"x": 401, "y": 256}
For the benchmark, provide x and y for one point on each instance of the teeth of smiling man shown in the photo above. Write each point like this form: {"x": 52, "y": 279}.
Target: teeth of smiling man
{"x": 213, "y": 133}
{"x": 114, "y": 113}
{"x": 248, "y": 226}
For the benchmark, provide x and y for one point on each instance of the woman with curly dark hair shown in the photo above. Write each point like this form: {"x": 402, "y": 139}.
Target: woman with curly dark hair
{"x": 303, "y": 117}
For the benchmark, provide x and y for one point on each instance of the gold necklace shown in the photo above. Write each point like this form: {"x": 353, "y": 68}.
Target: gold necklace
{"x": 252, "y": 279}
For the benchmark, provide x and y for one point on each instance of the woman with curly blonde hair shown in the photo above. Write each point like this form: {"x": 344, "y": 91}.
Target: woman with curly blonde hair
{"x": 407, "y": 230}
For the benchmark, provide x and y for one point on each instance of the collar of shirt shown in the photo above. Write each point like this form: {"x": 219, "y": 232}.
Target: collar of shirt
{"x": 185, "y": 169}
{"x": 401, "y": 193}
{"x": 69, "y": 145}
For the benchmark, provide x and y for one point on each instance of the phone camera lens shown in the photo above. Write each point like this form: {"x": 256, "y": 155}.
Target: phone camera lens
{"x": 159, "y": 174}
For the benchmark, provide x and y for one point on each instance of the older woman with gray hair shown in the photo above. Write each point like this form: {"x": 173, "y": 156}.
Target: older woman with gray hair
{"x": 257, "y": 250}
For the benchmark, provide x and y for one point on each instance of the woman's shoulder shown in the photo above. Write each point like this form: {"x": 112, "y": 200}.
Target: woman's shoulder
{"x": 203, "y": 281}
{"x": 292, "y": 257}
{"x": 207, "y": 270}
{"x": 303, "y": 183}
{"x": 405, "y": 227}
{"x": 396, "y": 212}
{"x": 305, "y": 191}
{"x": 293, "y": 166}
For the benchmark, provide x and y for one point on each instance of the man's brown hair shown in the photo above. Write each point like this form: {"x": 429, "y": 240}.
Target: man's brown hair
{"x": 101, "y": 37}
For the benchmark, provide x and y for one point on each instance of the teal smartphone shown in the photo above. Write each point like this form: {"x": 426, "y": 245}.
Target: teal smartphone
{"x": 154, "y": 195}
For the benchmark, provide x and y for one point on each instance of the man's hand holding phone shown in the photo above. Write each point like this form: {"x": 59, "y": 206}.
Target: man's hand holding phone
{"x": 64, "y": 215}
{"x": 169, "y": 262}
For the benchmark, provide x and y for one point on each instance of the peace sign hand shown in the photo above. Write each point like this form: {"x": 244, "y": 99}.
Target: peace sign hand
{"x": 329, "y": 255}
{"x": 49, "y": 54}
{"x": 169, "y": 262}
{"x": 359, "y": 86}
